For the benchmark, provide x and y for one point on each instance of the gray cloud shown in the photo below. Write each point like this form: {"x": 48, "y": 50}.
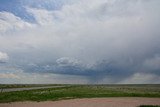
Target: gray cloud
{"x": 101, "y": 39}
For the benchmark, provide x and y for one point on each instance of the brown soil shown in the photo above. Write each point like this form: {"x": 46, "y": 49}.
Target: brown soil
{"x": 89, "y": 102}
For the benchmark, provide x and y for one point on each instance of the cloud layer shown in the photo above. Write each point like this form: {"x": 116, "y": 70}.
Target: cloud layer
{"x": 105, "y": 41}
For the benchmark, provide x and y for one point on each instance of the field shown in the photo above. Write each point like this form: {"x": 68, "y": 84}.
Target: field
{"x": 79, "y": 91}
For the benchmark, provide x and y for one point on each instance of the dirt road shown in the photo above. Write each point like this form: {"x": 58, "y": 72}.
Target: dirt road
{"x": 30, "y": 88}
{"x": 92, "y": 102}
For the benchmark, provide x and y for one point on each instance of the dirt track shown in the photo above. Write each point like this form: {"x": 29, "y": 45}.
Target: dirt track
{"x": 29, "y": 88}
{"x": 93, "y": 102}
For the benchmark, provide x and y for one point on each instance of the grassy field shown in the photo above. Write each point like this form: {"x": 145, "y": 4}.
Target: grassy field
{"x": 82, "y": 91}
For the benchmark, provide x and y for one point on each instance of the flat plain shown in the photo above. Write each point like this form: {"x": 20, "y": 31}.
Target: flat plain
{"x": 68, "y": 91}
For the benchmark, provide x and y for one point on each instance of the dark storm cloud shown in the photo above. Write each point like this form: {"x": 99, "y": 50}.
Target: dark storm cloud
{"x": 107, "y": 40}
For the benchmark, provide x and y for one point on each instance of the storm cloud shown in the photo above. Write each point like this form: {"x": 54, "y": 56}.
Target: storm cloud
{"x": 103, "y": 41}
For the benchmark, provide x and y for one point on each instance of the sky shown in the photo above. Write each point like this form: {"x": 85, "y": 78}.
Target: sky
{"x": 79, "y": 41}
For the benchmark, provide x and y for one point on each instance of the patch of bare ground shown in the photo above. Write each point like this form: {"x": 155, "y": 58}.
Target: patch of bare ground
{"x": 89, "y": 102}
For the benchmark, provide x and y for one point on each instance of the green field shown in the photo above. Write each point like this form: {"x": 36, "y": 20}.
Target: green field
{"x": 82, "y": 91}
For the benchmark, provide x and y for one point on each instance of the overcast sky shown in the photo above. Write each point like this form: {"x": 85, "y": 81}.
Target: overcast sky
{"x": 80, "y": 41}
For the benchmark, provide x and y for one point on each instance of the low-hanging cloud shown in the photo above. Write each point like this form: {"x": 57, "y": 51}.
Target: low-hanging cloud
{"x": 99, "y": 39}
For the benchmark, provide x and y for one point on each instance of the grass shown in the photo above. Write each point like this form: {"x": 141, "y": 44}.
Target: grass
{"x": 82, "y": 91}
